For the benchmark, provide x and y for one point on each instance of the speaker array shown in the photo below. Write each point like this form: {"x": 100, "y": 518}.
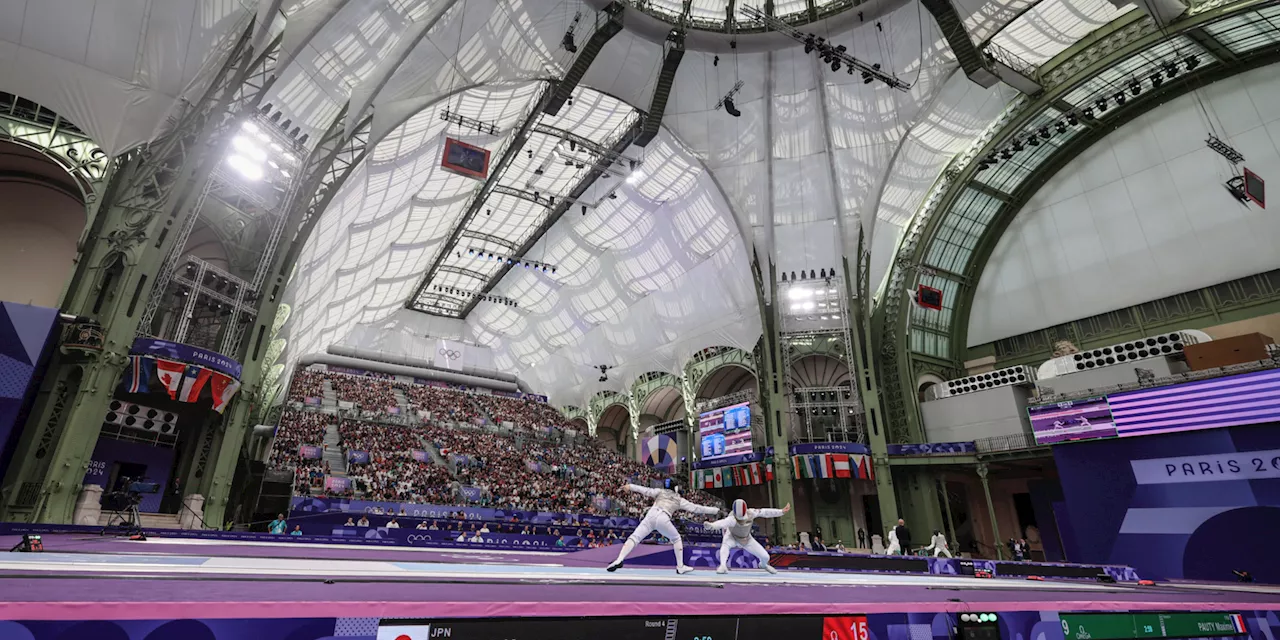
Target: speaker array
{"x": 1163, "y": 345}
{"x": 1007, "y": 377}
{"x": 136, "y": 416}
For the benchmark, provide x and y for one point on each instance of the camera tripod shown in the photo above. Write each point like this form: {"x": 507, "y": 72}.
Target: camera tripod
{"x": 126, "y": 521}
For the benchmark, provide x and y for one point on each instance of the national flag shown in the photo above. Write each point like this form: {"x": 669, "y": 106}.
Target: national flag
{"x": 193, "y": 382}
{"x": 755, "y": 473}
{"x": 137, "y": 375}
{"x": 768, "y": 470}
{"x": 841, "y": 464}
{"x": 719, "y": 481}
{"x": 223, "y": 388}
{"x": 826, "y": 466}
{"x": 170, "y": 375}
{"x": 728, "y": 477}
{"x": 708, "y": 479}
{"x": 1237, "y": 621}
{"x": 405, "y": 632}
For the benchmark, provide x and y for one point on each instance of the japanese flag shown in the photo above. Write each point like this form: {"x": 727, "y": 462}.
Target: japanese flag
{"x": 405, "y": 632}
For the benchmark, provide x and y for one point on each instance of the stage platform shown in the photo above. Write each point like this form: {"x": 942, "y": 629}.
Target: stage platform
{"x": 92, "y": 578}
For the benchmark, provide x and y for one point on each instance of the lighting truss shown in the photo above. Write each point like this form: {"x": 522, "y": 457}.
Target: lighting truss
{"x": 624, "y": 163}
{"x": 772, "y": 23}
{"x": 470, "y": 123}
{"x": 467, "y": 294}
{"x": 1225, "y": 150}
{"x": 481, "y": 254}
{"x": 737, "y": 86}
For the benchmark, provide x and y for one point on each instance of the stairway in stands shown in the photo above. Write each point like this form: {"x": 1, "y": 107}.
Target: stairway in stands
{"x": 333, "y": 452}
{"x": 330, "y": 400}
{"x": 401, "y": 400}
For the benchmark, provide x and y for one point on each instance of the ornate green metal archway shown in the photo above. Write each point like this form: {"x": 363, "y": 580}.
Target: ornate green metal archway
{"x": 950, "y": 239}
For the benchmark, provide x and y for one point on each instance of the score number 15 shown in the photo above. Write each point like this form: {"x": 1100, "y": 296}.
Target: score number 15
{"x": 845, "y": 628}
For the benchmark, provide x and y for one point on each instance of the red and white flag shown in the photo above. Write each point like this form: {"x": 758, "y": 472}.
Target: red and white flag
{"x": 193, "y": 382}
{"x": 223, "y": 388}
{"x": 719, "y": 479}
{"x": 170, "y": 375}
{"x": 841, "y": 462}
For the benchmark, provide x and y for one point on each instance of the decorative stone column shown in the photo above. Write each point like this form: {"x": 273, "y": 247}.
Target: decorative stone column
{"x": 88, "y": 506}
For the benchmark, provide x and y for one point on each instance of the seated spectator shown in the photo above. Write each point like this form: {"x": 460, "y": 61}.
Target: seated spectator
{"x": 364, "y": 522}
{"x": 297, "y": 530}
{"x": 349, "y": 523}
{"x": 393, "y": 524}
{"x": 422, "y": 525}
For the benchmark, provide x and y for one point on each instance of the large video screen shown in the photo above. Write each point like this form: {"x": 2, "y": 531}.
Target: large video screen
{"x": 725, "y": 432}
{"x": 1084, "y": 419}
{"x": 1248, "y": 398}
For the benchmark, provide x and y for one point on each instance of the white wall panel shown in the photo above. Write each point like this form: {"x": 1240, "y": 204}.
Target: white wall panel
{"x": 1139, "y": 216}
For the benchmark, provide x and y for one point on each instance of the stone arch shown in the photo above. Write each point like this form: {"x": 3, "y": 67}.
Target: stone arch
{"x": 663, "y": 403}
{"x": 725, "y": 379}
{"x": 40, "y": 224}
{"x": 819, "y": 371}
{"x": 927, "y": 386}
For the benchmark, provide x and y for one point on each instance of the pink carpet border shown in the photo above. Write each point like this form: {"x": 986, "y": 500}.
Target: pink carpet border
{"x": 351, "y": 609}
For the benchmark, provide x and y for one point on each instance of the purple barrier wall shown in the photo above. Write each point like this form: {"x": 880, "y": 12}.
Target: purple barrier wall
{"x": 1195, "y": 504}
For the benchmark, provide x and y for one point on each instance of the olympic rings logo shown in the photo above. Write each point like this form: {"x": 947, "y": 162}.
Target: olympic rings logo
{"x": 450, "y": 354}
{"x": 416, "y": 537}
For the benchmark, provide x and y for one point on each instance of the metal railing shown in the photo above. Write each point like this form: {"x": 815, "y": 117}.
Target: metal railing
{"x": 1219, "y": 372}
{"x": 1010, "y": 59}
{"x": 1008, "y": 442}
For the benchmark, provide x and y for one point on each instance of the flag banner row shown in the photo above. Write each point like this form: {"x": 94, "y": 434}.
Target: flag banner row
{"x": 833, "y": 465}
{"x": 183, "y": 382}
{"x": 742, "y": 475}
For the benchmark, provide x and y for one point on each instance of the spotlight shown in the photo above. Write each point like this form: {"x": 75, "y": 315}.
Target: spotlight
{"x": 1006, "y": 154}
{"x": 835, "y": 65}
{"x": 1101, "y": 103}
{"x": 1072, "y": 119}
{"x": 1017, "y": 145}
{"x": 808, "y": 44}
{"x": 1033, "y": 141}
{"x": 1156, "y": 80}
{"x": 567, "y": 43}
{"x": 730, "y": 109}
{"x": 584, "y": 209}
{"x": 1170, "y": 69}
{"x": 1061, "y": 127}
{"x": 1192, "y": 62}
{"x": 1087, "y": 113}
{"x": 1044, "y": 133}
{"x": 1119, "y": 98}
{"x": 1135, "y": 87}
{"x": 715, "y": 62}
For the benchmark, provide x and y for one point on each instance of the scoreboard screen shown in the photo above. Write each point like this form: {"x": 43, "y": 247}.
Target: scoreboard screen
{"x": 853, "y": 627}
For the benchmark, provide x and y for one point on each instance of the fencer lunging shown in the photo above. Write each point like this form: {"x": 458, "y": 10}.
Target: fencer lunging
{"x": 737, "y": 533}
{"x": 666, "y": 502}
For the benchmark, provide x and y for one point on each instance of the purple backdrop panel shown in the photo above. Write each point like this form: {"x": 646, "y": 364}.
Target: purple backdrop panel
{"x": 931, "y": 448}
{"x": 1084, "y": 419}
{"x": 358, "y": 457}
{"x": 25, "y": 335}
{"x": 1195, "y": 504}
{"x": 310, "y": 452}
{"x": 1248, "y": 398}
{"x": 157, "y": 463}
{"x": 334, "y": 483}
{"x": 186, "y": 353}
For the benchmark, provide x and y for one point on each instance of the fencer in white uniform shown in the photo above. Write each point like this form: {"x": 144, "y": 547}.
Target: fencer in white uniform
{"x": 666, "y": 502}
{"x": 737, "y": 533}
{"x": 894, "y": 548}
{"x": 938, "y": 544}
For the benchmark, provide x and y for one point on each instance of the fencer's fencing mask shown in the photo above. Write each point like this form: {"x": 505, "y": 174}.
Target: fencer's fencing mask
{"x": 740, "y": 509}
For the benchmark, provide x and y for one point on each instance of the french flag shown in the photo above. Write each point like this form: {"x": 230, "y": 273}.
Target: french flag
{"x": 1237, "y": 621}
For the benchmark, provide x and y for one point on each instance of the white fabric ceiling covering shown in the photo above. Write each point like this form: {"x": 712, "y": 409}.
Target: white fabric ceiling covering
{"x": 645, "y": 279}
{"x": 115, "y": 68}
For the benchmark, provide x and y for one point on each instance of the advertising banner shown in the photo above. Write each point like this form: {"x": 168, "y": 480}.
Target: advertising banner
{"x": 334, "y": 483}
{"x": 311, "y": 505}
{"x": 358, "y": 457}
{"x": 310, "y": 452}
{"x": 931, "y": 448}
{"x": 186, "y": 353}
{"x": 829, "y": 447}
{"x": 449, "y": 354}
{"x": 471, "y": 494}
{"x": 420, "y": 455}
{"x": 1084, "y": 419}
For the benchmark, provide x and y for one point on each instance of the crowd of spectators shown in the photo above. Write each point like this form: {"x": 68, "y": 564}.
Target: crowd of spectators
{"x": 523, "y": 470}
{"x": 522, "y": 412}
{"x": 306, "y": 384}
{"x": 296, "y": 429}
{"x": 443, "y": 403}
{"x": 391, "y": 473}
{"x": 367, "y": 393}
